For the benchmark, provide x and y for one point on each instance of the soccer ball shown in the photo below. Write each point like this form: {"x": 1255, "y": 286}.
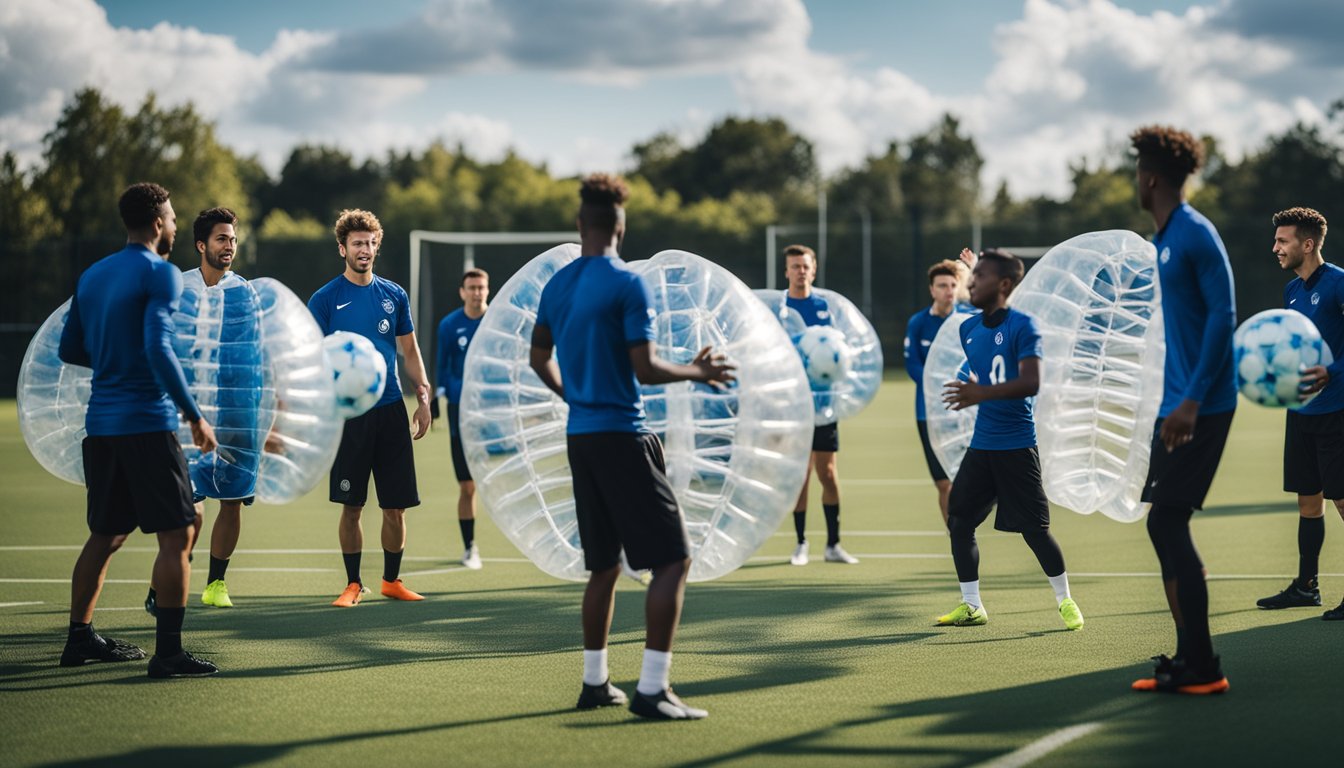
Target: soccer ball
{"x": 360, "y": 372}
{"x": 826, "y": 356}
{"x": 1272, "y": 349}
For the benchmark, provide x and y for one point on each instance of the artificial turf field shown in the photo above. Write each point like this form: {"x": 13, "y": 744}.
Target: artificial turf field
{"x": 819, "y": 665}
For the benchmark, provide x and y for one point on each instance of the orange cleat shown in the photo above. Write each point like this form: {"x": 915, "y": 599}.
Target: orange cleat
{"x": 1144, "y": 684}
{"x": 398, "y": 591}
{"x": 350, "y": 597}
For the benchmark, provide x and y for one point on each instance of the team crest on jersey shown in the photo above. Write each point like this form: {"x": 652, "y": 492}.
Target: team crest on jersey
{"x": 383, "y": 325}
{"x": 998, "y": 337}
{"x": 388, "y": 306}
{"x": 462, "y": 342}
{"x": 1165, "y": 256}
{"x": 1315, "y": 299}
{"x": 823, "y": 314}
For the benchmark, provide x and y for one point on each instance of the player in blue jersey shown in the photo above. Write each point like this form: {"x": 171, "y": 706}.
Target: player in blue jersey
{"x": 216, "y": 241}
{"x": 593, "y": 346}
{"x": 455, "y": 333}
{"x": 120, "y": 325}
{"x": 1199, "y": 315}
{"x": 1001, "y": 467}
{"x": 920, "y": 331}
{"x": 800, "y": 267}
{"x": 1313, "y": 442}
{"x": 377, "y": 442}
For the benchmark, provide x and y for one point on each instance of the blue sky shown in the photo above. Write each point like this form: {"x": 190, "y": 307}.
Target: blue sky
{"x": 575, "y": 83}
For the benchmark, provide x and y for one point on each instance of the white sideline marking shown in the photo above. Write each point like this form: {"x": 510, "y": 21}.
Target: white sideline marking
{"x": 16, "y": 605}
{"x": 1041, "y": 747}
{"x": 283, "y": 570}
{"x": 436, "y": 571}
{"x": 889, "y": 481}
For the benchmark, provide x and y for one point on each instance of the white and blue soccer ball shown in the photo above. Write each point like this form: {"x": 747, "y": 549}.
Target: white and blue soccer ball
{"x": 826, "y": 357}
{"x": 1272, "y": 350}
{"x": 360, "y": 372}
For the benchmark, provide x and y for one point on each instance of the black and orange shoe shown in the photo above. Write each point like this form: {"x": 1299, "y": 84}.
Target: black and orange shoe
{"x": 398, "y": 591}
{"x": 1161, "y": 671}
{"x": 1194, "y": 681}
{"x": 1334, "y": 614}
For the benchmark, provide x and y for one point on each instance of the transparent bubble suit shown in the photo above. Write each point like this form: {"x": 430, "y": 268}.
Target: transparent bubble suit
{"x": 735, "y": 458}
{"x": 1096, "y": 301}
{"x": 844, "y": 398}
{"x": 949, "y": 431}
{"x": 253, "y": 358}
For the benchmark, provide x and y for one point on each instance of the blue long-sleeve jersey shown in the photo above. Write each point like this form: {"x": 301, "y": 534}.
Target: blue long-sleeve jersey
{"x": 1199, "y": 314}
{"x": 120, "y": 325}
{"x": 1321, "y": 298}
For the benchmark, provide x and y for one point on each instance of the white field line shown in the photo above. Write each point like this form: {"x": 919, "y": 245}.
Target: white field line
{"x": 16, "y": 605}
{"x": 1041, "y": 747}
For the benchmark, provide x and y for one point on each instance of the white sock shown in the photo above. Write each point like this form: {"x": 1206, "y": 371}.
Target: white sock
{"x": 594, "y": 667}
{"x": 1060, "y": 584}
{"x": 656, "y": 672}
{"x": 970, "y": 593}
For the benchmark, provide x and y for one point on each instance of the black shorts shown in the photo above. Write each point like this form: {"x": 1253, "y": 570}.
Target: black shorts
{"x": 1181, "y": 478}
{"x": 1313, "y": 454}
{"x": 197, "y": 498}
{"x": 622, "y": 499}
{"x": 935, "y": 468}
{"x": 137, "y": 480}
{"x": 826, "y": 438}
{"x": 460, "y": 468}
{"x": 377, "y": 442}
{"x": 1012, "y": 478}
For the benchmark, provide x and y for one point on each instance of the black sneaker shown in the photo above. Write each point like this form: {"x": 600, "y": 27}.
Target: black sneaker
{"x": 604, "y": 695}
{"x": 98, "y": 648}
{"x": 664, "y": 705}
{"x": 151, "y": 604}
{"x": 181, "y": 665}
{"x": 1162, "y": 668}
{"x": 1293, "y": 596}
{"x": 1334, "y": 614}
{"x": 1197, "y": 681}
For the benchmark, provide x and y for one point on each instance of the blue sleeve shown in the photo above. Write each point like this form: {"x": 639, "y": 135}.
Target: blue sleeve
{"x": 637, "y": 316}
{"x": 165, "y": 288}
{"x": 1336, "y": 369}
{"x": 441, "y": 361}
{"x": 404, "y": 323}
{"x": 543, "y": 318}
{"x": 914, "y": 351}
{"x": 71, "y": 350}
{"x": 1214, "y": 275}
{"x": 1029, "y": 343}
{"x": 317, "y": 305}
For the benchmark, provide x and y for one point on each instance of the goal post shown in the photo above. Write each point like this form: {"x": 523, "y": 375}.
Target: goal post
{"x": 468, "y": 241}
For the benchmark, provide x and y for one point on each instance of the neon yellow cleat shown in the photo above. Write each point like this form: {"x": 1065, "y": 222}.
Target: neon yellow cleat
{"x": 1071, "y": 614}
{"x": 964, "y": 616}
{"x": 216, "y": 594}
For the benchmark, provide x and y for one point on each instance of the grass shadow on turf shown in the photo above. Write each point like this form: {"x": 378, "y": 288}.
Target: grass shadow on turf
{"x": 1153, "y": 729}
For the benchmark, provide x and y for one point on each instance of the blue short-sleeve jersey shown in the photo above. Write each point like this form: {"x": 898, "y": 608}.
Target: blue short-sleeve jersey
{"x": 1321, "y": 298}
{"x": 597, "y": 309}
{"x": 1199, "y": 314}
{"x": 993, "y": 353}
{"x": 919, "y": 335}
{"x": 455, "y": 332}
{"x": 813, "y": 309}
{"x": 120, "y": 325}
{"x": 379, "y": 311}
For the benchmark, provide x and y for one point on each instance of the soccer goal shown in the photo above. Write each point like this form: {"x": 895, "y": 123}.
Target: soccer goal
{"x": 422, "y": 307}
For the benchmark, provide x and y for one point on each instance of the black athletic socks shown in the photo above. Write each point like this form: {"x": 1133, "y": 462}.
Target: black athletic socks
{"x": 352, "y": 567}
{"x": 217, "y": 569}
{"x": 832, "y": 513}
{"x": 1310, "y": 537}
{"x": 168, "y": 634}
{"x": 80, "y": 632}
{"x": 391, "y": 565}
{"x": 1047, "y": 551}
{"x": 468, "y": 532}
{"x": 800, "y": 524}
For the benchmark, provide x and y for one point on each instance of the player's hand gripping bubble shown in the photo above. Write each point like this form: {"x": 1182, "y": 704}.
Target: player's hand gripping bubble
{"x": 714, "y": 368}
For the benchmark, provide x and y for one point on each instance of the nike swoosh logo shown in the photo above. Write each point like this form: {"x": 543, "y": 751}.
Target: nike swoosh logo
{"x": 343, "y": 306}
{"x": 1292, "y": 301}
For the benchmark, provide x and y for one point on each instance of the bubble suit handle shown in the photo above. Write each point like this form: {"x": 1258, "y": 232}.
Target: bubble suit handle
{"x": 1097, "y": 302}
{"x": 949, "y": 431}
{"x": 735, "y": 459}
{"x": 53, "y": 398}
{"x": 859, "y": 386}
